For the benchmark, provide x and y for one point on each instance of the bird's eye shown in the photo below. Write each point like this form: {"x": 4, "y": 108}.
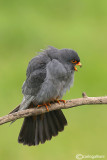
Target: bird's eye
{"x": 74, "y": 61}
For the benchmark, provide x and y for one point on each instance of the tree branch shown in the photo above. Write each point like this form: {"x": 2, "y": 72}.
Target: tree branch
{"x": 69, "y": 104}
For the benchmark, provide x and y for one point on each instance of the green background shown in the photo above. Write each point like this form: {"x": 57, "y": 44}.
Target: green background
{"x": 25, "y": 28}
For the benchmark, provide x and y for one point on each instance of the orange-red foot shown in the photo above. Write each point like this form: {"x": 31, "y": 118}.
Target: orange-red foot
{"x": 64, "y": 101}
{"x": 46, "y": 105}
{"x": 58, "y": 101}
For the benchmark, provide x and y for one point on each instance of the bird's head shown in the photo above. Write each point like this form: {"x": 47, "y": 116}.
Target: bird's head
{"x": 70, "y": 57}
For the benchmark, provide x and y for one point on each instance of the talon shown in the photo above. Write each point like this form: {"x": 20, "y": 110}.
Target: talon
{"x": 58, "y": 101}
{"x": 48, "y": 104}
{"x": 47, "y": 107}
{"x": 41, "y": 105}
{"x": 63, "y": 101}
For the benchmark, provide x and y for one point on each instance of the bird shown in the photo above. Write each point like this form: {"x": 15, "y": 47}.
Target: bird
{"x": 49, "y": 75}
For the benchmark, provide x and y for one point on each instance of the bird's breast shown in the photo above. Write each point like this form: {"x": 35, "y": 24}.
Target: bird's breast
{"x": 66, "y": 84}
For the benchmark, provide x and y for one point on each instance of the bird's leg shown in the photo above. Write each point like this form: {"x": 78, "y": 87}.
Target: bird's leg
{"x": 64, "y": 101}
{"x": 58, "y": 101}
{"x": 55, "y": 100}
{"x": 45, "y": 104}
{"x": 48, "y": 104}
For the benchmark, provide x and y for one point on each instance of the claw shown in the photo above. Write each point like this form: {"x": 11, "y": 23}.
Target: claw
{"x": 46, "y": 105}
{"x": 58, "y": 101}
{"x": 62, "y": 101}
{"x": 40, "y": 105}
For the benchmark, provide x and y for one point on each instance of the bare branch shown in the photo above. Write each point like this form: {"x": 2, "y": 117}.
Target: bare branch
{"x": 69, "y": 104}
{"x": 84, "y": 95}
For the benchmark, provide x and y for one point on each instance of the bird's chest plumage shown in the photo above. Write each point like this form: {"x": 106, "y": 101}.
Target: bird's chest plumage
{"x": 58, "y": 80}
{"x": 66, "y": 84}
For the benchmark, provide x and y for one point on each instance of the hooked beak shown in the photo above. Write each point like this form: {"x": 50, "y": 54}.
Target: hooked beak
{"x": 78, "y": 64}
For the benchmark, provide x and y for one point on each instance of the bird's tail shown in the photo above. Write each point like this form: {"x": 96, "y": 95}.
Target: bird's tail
{"x": 41, "y": 127}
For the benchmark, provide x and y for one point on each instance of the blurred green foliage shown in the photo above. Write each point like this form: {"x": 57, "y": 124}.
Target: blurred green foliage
{"x": 31, "y": 25}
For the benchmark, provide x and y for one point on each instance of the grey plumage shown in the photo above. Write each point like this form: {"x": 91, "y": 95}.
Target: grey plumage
{"x": 49, "y": 75}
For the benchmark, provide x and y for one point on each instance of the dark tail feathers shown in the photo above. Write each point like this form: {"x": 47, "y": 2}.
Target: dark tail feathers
{"x": 42, "y": 127}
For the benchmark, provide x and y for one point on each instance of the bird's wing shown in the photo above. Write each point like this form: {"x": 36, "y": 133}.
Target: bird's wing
{"x": 36, "y": 73}
{"x": 33, "y": 83}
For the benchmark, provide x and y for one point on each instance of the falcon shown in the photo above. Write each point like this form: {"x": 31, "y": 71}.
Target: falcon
{"x": 49, "y": 75}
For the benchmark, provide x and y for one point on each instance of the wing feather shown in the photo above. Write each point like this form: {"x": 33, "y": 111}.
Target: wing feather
{"x": 36, "y": 74}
